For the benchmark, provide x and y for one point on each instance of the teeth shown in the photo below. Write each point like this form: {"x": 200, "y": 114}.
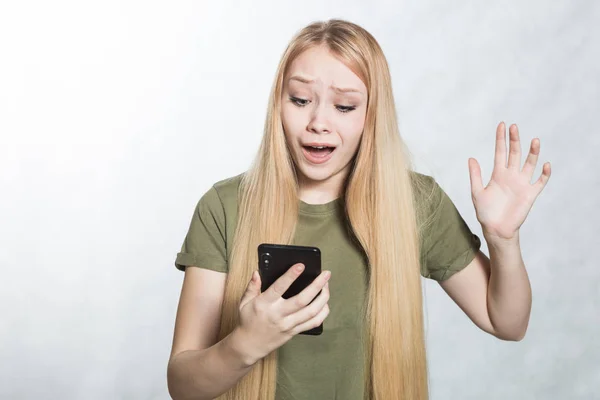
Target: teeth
{"x": 318, "y": 147}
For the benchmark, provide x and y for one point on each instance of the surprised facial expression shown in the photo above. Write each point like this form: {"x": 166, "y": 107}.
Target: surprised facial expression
{"x": 323, "y": 109}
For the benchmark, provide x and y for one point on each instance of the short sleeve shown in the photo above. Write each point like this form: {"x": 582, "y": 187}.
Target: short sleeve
{"x": 205, "y": 242}
{"x": 448, "y": 244}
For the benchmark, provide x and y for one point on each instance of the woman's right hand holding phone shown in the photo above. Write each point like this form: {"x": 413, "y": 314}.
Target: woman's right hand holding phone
{"x": 267, "y": 320}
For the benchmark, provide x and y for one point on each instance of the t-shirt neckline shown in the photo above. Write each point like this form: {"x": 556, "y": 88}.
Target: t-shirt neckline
{"x": 325, "y": 208}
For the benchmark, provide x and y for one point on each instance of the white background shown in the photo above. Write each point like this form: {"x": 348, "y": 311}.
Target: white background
{"x": 115, "y": 117}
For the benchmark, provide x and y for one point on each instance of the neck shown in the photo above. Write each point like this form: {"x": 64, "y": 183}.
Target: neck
{"x": 321, "y": 192}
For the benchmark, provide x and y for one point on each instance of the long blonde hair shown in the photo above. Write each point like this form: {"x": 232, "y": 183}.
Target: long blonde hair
{"x": 379, "y": 207}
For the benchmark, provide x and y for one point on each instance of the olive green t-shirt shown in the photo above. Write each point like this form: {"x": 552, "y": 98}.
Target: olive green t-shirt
{"x": 330, "y": 365}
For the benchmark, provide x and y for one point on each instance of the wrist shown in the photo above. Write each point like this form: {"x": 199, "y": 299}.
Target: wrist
{"x": 238, "y": 345}
{"x": 501, "y": 243}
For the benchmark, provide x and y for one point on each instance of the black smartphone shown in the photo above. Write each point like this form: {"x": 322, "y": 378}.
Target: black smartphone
{"x": 275, "y": 259}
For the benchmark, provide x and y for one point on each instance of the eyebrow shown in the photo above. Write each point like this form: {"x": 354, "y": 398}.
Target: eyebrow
{"x": 334, "y": 88}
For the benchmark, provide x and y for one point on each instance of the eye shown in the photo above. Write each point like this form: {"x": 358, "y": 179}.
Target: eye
{"x": 345, "y": 109}
{"x": 298, "y": 101}
{"x": 303, "y": 102}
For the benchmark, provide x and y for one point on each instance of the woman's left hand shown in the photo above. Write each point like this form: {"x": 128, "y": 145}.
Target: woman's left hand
{"x": 503, "y": 205}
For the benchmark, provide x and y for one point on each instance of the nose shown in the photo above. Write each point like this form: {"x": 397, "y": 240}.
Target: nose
{"x": 318, "y": 122}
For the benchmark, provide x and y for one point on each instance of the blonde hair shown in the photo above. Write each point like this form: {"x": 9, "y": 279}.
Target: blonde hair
{"x": 380, "y": 210}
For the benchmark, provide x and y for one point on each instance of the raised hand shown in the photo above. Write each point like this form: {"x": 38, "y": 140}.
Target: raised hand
{"x": 503, "y": 205}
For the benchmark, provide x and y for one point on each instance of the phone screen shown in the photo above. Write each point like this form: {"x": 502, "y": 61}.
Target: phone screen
{"x": 275, "y": 259}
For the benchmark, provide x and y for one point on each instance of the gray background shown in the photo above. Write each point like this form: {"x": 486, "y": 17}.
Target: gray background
{"x": 115, "y": 117}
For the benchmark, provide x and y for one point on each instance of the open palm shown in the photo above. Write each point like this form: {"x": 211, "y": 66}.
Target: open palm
{"x": 502, "y": 206}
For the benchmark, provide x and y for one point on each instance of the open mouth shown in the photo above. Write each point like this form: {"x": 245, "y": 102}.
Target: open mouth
{"x": 318, "y": 154}
{"x": 319, "y": 151}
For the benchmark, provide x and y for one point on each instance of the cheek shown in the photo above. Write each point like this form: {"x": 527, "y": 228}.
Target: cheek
{"x": 353, "y": 128}
{"x": 290, "y": 119}
{"x": 286, "y": 123}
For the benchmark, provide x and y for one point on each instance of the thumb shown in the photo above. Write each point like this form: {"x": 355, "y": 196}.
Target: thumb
{"x": 252, "y": 290}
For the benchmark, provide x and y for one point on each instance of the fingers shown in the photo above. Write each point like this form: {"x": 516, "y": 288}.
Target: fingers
{"x": 310, "y": 311}
{"x": 529, "y": 167}
{"x": 313, "y": 322}
{"x": 543, "y": 179}
{"x": 307, "y": 295}
{"x": 500, "y": 153}
{"x": 475, "y": 177}
{"x": 252, "y": 290}
{"x": 279, "y": 287}
{"x": 514, "y": 156}
{"x": 532, "y": 158}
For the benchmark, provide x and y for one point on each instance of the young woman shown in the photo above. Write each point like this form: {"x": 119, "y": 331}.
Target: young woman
{"x": 333, "y": 172}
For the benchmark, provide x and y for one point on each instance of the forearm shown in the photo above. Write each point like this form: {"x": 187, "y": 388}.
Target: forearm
{"x": 509, "y": 290}
{"x": 208, "y": 373}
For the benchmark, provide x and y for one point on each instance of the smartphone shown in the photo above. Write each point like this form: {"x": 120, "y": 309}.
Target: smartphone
{"x": 275, "y": 259}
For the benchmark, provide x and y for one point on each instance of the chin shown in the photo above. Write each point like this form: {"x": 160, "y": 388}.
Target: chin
{"x": 320, "y": 173}
{"x": 316, "y": 174}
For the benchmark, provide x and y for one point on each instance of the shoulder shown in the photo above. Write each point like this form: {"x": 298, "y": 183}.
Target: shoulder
{"x": 222, "y": 197}
{"x": 430, "y": 205}
{"x": 229, "y": 186}
{"x": 227, "y": 191}
{"x": 426, "y": 191}
{"x": 421, "y": 181}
